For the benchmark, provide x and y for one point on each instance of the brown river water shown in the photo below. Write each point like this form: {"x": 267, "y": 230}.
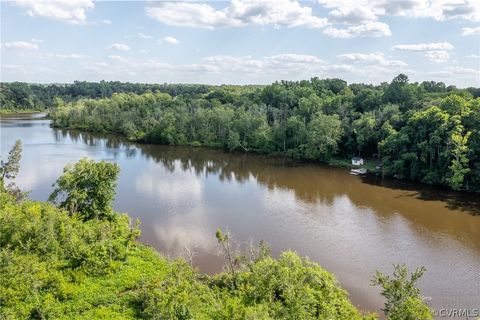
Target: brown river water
{"x": 350, "y": 225}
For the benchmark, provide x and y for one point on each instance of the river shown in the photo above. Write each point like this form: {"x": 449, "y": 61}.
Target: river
{"x": 350, "y": 225}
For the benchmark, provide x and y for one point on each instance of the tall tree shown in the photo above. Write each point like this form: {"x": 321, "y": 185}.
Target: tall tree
{"x": 403, "y": 299}
{"x": 9, "y": 169}
{"x": 87, "y": 188}
{"x": 322, "y": 138}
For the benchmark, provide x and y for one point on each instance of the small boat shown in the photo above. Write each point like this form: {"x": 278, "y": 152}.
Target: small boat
{"x": 358, "y": 172}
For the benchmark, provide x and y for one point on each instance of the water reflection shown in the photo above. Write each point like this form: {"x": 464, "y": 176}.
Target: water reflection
{"x": 351, "y": 226}
{"x": 465, "y": 202}
{"x": 322, "y": 186}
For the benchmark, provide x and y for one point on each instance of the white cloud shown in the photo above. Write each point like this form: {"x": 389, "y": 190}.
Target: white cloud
{"x": 118, "y": 58}
{"x": 171, "y": 40}
{"x": 347, "y": 19}
{"x": 435, "y": 51}
{"x": 436, "y": 9}
{"x": 247, "y": 69}
{"x": 106, "y": 21}
{"x": 69, "y": 11}
{"x": 368, "y": 29}
{"x": 473, "y": 56}
{"x": 66, "y": 56}
{"x": 144, "y": 36}
{"x": 20, "y": 45}
{"x": 239, "y": 13}
{"x": 356, "y": 15}
{"x": 189, "y": 15}
{"x": 100, "y": 64}
{"x": 279, "y": 13}
{"x": 471, "y": 31}
{"x": 215, "y": 69}
{"x": 353, "y": 67}
{"x": 424, "y": 46}
{"x": 350, "y": 19}
{"x": 119, "y": 47}
{"x": 469, "y": 75}
{"x": 339, "y": 68}
{"x": 26, "y": 73}
{"x": 377, "y": 58}
{"x": 285, "y": 63}
{"x": 437, "y": 56}
{"x": 464, "y": 10}
{"x": 291, "y": 58}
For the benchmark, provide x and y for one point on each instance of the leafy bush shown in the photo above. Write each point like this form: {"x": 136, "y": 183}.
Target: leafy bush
{"x": 87, "y": 188}
{"x": 403, "y": 300}
{"x": 55, "y": 265}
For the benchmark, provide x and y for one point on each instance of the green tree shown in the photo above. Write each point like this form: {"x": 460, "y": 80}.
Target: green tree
{"x": 365, "y": 132}
{"x": 233, "y": 261}
{"x": 403, "y": 299}
{"x": 308, "y": 107}
{"x": 295, "y": 132}
{"x": 87, "y": 188}
{"x": 410, "y": 126}
{"x": 9, "y": 169}
{"x": 459, "y": 166}
{"x": 367, "y": 100}
{"x": 400, "y": 92}
{"x": 322, "y": 138}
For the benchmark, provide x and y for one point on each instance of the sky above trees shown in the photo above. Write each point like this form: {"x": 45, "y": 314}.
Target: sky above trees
{"x": 240, "y": 41}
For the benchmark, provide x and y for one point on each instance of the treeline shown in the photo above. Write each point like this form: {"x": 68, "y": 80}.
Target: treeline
{"x": 78, "y": 259}
{"x": 21, "y": 95}
{"x": 424, "y": 132}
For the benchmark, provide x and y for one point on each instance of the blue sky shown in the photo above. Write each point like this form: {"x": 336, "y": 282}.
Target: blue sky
{"x": 240, "y": 41}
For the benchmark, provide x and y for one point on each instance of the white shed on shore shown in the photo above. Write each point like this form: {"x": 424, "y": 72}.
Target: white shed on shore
{"x": 356, "y": 161}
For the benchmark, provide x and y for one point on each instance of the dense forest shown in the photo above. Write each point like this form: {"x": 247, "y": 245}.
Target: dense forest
{"x": 75, "y": 258}
{"x": 426, "y": 132}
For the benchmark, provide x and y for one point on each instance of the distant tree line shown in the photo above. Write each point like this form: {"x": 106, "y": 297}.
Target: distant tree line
{"x": 427, "y": 132}
{"x": 21, "y": 95}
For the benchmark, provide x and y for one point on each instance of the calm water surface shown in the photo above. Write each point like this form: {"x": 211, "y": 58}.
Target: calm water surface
{"x": 351, "y": 226}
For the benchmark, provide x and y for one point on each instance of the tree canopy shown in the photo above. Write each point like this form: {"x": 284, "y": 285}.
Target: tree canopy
{"x": 87, "y": 188}
{"x": 425, "y": 132}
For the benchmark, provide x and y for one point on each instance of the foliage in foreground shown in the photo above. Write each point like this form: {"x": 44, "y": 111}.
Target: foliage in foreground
{"x": 403, "y": 297}
{"x": 9, "y": 170}
{"x": 87, "y": 188}
{"x": 56, "y": 264}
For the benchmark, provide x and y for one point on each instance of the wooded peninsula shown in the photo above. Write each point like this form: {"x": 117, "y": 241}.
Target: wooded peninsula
{"x": 427, "y": 132}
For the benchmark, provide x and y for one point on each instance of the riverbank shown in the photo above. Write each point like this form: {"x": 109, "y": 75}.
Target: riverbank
{"x": 334, "y": 162}
{"x": 20, "y": 111}
{"x": 306, "y": 129}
